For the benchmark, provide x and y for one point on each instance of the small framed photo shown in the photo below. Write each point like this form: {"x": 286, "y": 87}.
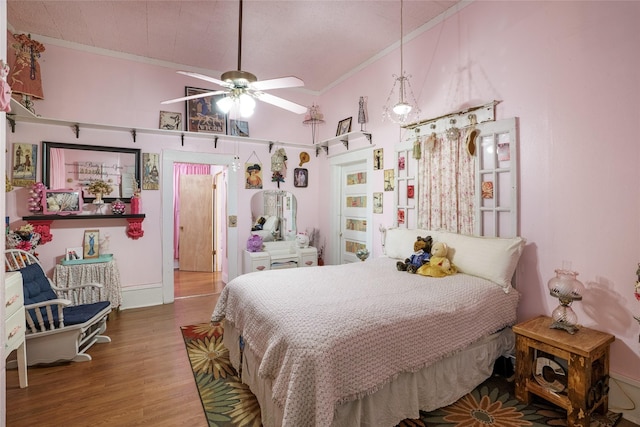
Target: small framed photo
{"x": 344, "y": 126}
{"x": 389, "y": 180}
{"x": 300, "y": 177}
{"x": 378, "y": 158}
{"x": 61, "y": 202}
{"x": 410, "y": 191}
{"x": 401, "y": 163}
{"x": 91, "y": 247}
{"x": 377, "y": 203}
{"x": 72, "y": 254}
{"x": 170, "y": 120}
{"x": 238, "y": 128}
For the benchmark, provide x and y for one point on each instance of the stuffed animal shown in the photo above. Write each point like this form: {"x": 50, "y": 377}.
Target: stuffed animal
{"x": 420, "y": 256}
{"x": 439, "y": 265}
{"x": 254, "y": 243}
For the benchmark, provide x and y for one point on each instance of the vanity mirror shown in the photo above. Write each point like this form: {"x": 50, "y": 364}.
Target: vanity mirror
{"x": 75, "y": 166}
{"x": 278, "y": 212}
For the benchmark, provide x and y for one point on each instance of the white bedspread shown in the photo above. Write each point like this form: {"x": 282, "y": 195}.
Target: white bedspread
{"x": 331, "y": 334}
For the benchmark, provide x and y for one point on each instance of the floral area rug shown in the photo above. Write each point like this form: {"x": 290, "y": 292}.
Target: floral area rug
{"x": 228, "y": 402}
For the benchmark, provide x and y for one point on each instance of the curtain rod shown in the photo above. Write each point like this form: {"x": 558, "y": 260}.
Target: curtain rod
{"x": 456, "y": 113}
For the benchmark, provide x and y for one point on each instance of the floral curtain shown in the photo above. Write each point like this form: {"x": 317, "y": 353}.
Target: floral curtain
{"x": 446, "y": 181}
{"x": 182, "y": 169}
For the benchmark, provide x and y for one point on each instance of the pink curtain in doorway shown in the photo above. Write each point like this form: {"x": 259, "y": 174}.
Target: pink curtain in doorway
{"x": 182, "y": 169}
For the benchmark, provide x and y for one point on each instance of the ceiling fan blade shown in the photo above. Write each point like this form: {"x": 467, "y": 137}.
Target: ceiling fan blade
{"x": 279, "y": 102}
{"x": 200, "y": 95}
{"x": 282, "y": 82}
{"x": 206, "y": 78}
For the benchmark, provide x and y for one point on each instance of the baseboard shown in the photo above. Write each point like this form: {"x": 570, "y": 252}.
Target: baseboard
{"x": 624, "y": 397}
{"x": 141, "y": 296}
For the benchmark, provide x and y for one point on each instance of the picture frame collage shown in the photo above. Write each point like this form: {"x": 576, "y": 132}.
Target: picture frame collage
{"x": 203, "y": 115}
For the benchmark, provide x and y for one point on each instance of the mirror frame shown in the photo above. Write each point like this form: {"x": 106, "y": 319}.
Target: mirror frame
{"x": 46, "y": 156}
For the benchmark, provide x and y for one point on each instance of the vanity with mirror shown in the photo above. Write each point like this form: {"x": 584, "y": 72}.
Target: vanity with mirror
{"x": 74, "y": 167}
{"x": 273, "y": 215}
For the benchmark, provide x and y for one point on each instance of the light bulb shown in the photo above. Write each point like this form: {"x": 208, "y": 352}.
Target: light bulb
{"x": 402, "y": 108}
{"x": 225, "y": 104}
{"x": 247, "y": 105}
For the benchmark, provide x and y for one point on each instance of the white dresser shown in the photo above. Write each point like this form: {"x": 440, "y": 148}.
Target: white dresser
{"x": 15, "y": 324}
{"x": 276, "y": 255}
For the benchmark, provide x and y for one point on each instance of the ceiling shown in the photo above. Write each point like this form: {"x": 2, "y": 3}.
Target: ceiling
{"x": 317, "y": 41}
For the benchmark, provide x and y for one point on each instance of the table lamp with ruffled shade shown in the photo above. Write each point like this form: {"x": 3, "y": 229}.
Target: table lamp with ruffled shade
{"x": 567, "y": 289}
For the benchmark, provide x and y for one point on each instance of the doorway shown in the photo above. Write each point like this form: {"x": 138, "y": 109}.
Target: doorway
{"x": 228, "y": 235}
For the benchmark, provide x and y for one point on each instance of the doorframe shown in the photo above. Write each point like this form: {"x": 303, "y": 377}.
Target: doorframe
{"x": 337, "y": 162}
{"x": 169, "y": 157}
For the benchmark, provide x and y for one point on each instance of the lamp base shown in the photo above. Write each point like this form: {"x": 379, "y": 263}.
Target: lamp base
{"x": 572, "y": 329}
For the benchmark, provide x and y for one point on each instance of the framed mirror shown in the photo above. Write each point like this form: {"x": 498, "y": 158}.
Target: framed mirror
{"x": 75, "y": 166}
{"x": 273, "y": 214}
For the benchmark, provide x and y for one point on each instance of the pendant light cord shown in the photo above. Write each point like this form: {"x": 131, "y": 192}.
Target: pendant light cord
{"x": 240, "y": 39}
{"x": 401, "y": 41}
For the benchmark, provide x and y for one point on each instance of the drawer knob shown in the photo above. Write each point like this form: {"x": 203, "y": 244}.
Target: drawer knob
{"x": 14, "y": 332}
{"x": 309, "y": 262}
{"x": 260, "y": 267}
{"x": 12, "y": 300}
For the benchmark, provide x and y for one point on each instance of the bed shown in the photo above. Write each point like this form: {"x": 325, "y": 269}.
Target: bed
{"x": 365, "y": 344}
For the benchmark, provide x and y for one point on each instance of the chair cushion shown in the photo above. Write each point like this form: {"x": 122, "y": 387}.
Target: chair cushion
{"x": 77, "y": 314}
{"x": 35, "y": 284}
{"x": 73, "y": 315}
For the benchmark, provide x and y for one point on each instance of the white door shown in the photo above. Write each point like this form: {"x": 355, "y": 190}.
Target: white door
{"x": 354, "y": 205}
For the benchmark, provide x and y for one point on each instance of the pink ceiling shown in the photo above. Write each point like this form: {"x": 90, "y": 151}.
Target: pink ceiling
{"x": 317, "y": 41}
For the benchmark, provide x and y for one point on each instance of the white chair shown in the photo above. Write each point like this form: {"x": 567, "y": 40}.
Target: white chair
{"x": 60, "y": 325}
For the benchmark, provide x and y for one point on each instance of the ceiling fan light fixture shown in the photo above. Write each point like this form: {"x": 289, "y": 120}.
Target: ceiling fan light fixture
{"x": 402, "y": 108}
{"x": 225, "y": 104}
{"x": 246, "y": 105}
{"x": 239, "y": 78}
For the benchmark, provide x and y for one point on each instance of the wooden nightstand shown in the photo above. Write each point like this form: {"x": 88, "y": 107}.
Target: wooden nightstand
{"x": 583, "y": 357}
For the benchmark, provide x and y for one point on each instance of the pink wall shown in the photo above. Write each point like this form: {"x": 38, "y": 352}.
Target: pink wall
{"x": 567, "y": 70}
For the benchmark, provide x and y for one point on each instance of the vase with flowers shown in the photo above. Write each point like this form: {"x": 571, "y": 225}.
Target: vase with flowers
{"x": 99, "y": 188}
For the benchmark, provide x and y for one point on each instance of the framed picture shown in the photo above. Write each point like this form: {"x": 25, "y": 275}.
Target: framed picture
{"x": 410, "y": 191}
{"x": 61, "y": 202}
{"x": 378, "y": 159}
{"x": 25, "y": 159}
{"x": 344, "y": 126}
{"x": 300, "y": 177}
{"x": 400, "y": 216}
{"x": 71, "y": 254}
{"x": 170, "y": 120}
{"x": 90, "y": 248}
{"x": 238, "y": 128}
{"x": 151, "y": 171}
{"x": 203, "y": 114}
{"x": 377, "y": 203}
{"x": 389, "y": 180}
{"x": 253, "y": 176}
{"x": 401, "y": 163}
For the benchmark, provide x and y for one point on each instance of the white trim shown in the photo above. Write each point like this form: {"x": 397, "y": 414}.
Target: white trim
{"x": 168, "y": 159}
{"x": 624, "y": 394}
{"x": 141, "y": 296}
{"x": 336, "y": 163}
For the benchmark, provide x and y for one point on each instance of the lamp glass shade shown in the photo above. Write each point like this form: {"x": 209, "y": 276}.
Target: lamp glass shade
{"x": 567, "y": 288}
{"x": 402, "y": 108}
{"x": 247, "y": 105}
{"x": 225, "y": 104}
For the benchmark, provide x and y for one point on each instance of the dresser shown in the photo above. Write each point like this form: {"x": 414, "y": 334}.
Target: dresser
{"x": 15, "y": 323}
{"x": 278, "y": 255}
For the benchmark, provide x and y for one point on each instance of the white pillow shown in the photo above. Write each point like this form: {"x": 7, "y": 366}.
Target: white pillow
{"x": 399, "y": 241}
{"x": 271, "y": 224}
{"x": 491, "y": 258}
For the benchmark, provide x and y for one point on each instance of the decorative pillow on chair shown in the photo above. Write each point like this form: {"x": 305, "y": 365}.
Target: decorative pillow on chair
{"x": 35, "y": 285}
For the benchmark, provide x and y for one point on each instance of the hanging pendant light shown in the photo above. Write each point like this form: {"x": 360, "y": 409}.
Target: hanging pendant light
{"x": 406, "y": 109}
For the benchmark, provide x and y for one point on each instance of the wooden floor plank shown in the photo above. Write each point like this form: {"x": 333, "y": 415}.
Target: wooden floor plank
{"x": 142, "y": 378}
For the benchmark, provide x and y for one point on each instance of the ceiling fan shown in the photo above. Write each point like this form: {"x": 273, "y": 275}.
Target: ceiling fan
{"x": 242, "y": 87}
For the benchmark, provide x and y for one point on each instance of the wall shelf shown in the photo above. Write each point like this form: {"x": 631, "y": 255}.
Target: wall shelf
{"x": 344, "y": 139}
{"x": 20, "y": 114}
{"x": 42, "y": 223}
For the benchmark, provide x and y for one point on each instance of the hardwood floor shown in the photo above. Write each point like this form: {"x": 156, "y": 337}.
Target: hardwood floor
{"x": 142, "y": 377}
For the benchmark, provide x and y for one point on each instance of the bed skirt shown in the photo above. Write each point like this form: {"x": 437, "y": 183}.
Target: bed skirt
{"x": 435, "y": 386}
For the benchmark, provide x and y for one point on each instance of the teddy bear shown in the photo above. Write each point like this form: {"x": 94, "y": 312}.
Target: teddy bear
{"x": 420, "y": 256}
{"x": 438, "y": 265}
